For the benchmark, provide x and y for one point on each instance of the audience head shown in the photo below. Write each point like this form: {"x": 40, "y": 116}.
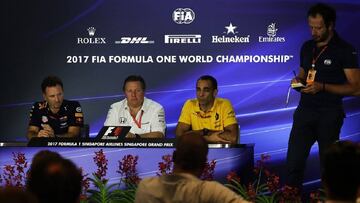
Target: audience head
{"x": 191, "y": 153}
{"x": 54, "y": 179}
{"x": 341, "y": 174}
{"x": 16, "y": 195}
{"x": 44, "y": 156}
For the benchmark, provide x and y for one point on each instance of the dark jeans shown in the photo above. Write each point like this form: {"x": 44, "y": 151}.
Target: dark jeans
{"x": 310, "y": 125}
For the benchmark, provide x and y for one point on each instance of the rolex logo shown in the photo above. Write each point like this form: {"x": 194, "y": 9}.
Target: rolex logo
{"x": 91, "y": 31}
{"x": 91, "y": 39}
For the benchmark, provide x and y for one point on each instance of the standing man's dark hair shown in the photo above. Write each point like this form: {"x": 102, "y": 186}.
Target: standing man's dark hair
{"x": 211, "y": 79}
{"x": 327, "y": 12}
{"x": 135, "y": 78}
{"x": 341, "y": 174}
{"x": 51, "y": 81}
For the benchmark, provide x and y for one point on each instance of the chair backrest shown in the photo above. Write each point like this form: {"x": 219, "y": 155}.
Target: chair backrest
{"x": 85, "y": 131}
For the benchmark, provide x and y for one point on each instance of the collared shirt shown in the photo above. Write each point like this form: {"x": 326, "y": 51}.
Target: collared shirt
{"x": 182, "y": 187}
{"x": 70, "y": 114}
{"x": 329, "y": 66}
{"x": 151, "y": 115}
{"x": 217, "y": 118}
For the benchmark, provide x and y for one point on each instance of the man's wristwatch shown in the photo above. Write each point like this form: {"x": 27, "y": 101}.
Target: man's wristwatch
{"x": 205, "y": 132}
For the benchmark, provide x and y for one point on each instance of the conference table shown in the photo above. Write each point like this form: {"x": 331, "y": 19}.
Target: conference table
{"x": 238, "y": 157}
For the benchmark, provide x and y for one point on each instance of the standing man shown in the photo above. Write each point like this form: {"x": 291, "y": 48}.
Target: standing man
{"x": 145, "y": 116}
{"x": 54, "y": 116}
{"x": 329, "y": 68}
{"x": 211, "y": 117}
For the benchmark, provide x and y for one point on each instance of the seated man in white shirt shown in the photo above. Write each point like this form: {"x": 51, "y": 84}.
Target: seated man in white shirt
{"x": 145, "y": 116}
{"x": 183, "y": 185}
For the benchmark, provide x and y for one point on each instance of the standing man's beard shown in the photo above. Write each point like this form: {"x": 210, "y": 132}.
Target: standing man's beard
{"x": 322, "y": 37}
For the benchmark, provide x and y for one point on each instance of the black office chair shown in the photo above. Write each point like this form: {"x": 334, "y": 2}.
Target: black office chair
{"x": 85, "y": 131}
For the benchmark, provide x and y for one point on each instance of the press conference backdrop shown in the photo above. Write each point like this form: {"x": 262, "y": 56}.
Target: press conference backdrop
{"x": 251, "y": 47}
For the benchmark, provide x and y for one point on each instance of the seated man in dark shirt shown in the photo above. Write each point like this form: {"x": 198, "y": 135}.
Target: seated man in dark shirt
{"x": 54, "y": 116}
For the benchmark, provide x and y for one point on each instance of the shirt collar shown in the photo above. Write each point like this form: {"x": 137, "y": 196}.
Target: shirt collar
{"x": 197, "y": 106}
{"x": 186, "y": 176}
{"x": 335, "y": 38}
{"x": 47, "y": 107}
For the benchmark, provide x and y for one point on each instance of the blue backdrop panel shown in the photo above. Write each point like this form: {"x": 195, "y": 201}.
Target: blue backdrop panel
{"x": 41, "y": 35}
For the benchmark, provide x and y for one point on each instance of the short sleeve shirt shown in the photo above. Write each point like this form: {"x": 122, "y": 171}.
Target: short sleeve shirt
{"x": 150, "y": 118}
{"x": 70, "y": 114}
{"x": 179, "y": 188}
{"x": 217, "y": 118}
{"x": 329, "y": 66}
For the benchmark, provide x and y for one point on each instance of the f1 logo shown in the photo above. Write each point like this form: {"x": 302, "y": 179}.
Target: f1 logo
{"x": 113, "y": 131}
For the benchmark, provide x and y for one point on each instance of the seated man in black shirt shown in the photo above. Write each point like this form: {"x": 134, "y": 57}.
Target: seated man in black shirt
{"x": 54, "y": 116}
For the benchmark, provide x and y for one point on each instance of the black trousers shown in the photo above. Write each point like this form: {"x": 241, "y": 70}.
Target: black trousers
{"x": 310, "y": 125}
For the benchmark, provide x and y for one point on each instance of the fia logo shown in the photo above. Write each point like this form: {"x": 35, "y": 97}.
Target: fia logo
{"x": 327, "y": 62}
{"x": 183, "y": 16}
{"x": 271, "y": 30}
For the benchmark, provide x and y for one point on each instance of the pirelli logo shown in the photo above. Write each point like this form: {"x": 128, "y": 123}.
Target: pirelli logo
{"x": 183, "y": 39}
